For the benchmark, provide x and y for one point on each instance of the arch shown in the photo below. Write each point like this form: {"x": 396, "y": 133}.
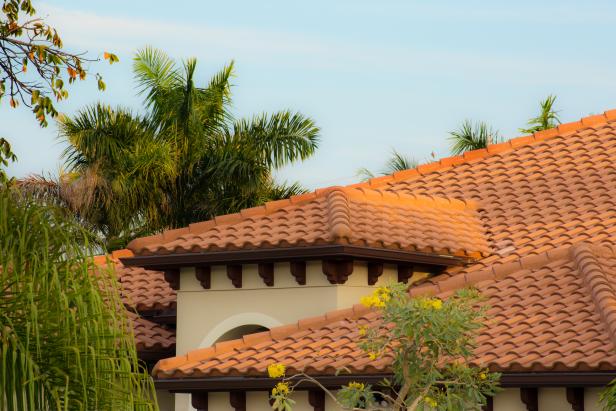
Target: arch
{"x": 236, "y": 321}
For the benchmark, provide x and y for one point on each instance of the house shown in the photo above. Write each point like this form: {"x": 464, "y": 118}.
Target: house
{"x": 531, "y": 223}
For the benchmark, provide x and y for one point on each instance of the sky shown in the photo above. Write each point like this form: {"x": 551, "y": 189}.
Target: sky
{"x": 374, "y": 75}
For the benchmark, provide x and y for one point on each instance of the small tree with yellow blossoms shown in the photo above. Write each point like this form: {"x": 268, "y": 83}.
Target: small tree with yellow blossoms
{"x": 431, "y": 343}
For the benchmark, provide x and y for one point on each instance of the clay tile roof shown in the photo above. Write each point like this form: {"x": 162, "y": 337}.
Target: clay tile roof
{"x": 358, "y": 216}
{"x": 143, "y": 290}
{"x": 151, "y": 336}
{"x": 554, "y": 312}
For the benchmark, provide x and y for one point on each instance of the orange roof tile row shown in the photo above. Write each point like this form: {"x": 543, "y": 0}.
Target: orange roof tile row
{"x": 551, "y": 312}
{"x": 358, "y": 216}
{"x": 143, "y": 290}
{"x": 150, "y": 336}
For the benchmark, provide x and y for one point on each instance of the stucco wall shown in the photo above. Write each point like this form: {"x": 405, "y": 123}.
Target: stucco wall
{"x": 550, "y": 399}
{"x": 204, "y": 315}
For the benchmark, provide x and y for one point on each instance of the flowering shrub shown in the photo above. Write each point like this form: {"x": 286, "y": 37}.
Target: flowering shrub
{"x": 430, "y": 341}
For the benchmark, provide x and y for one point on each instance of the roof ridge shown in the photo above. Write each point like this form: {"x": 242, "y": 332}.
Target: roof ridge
{"x": 602, "y": 292}
{"x": 339, "y": 215}
{"x": 274, "y": 333}
{"x": 493, "y": 272}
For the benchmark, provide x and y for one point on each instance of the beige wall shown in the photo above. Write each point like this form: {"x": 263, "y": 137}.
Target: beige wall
{"x": 550, "y": 399}
{"x": 166, "y": 401}
{"x": 205, "y": 315}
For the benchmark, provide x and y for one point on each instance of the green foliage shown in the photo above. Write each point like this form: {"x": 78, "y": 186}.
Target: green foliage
{"x": 6, "y": 156}
{"x": 185, "y": 160}
{"x": 547, "y": 118}
{"x": 397, "y": 162}
{"x": 431, "y": 342}
{"x": 28, "y": 44}
{"x": 472, "y": 136}
{"x": 65, "y": 339}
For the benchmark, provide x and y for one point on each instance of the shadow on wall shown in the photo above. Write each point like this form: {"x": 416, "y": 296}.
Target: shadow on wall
{"x": 239, "y": 332}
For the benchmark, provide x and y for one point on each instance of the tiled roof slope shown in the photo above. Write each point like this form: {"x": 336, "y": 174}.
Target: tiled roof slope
{"x": 357, "y": 216}
{"x": 534, "y": 193}
{"x": 143, "y": 290}
{"x": 150, "y": 336}
{"x": 554, "y": 311}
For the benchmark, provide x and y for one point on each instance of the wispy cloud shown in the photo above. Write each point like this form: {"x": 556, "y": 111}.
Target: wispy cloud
{"x": 95, "y": 33}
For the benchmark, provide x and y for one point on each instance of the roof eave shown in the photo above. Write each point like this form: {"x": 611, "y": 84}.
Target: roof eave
{"x": 508, "y": 379}
{"x": 261, "y": 255}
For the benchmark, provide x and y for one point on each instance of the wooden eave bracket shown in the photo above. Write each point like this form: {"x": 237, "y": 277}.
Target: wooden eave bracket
{"x": 199, "y": 401}
{"x": 375, "y": 270}
{"x": 237, "y": 399}
{"x": 575, "y": 397}
{"x": 204, "y": 276}
{"x": 172, "y": 276}
{"x": 234, "y": 272}
{"x": 316, "y": 398}
{"x": 266, "y": 272}
{"x": 337, "y": 271}
{"x": 530, "y": 398}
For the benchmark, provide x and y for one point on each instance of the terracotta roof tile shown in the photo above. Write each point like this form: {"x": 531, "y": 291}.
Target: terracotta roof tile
{"x": 556, "y": 313}
{"x": 150, "y": 336}
{"x": 143, "y": 290}
{"x": 358, "y": 216}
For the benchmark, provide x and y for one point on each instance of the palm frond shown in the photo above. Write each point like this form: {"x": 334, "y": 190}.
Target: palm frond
{"x": 65, "y": 338}
{"x": 547, "y": 118}
{"x": 278, "y": 139}
{"x": 399, "y": 162}
{"x": 472, "y": 136}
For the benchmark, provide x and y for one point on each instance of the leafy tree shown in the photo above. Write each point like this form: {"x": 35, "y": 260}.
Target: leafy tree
{"x": 547, "y": 118}
{"x": 397, "y": 162}
{"x": 34, "y": 67}
{"x": 472, "y": 136}
{"x": 186, "y": 159}
{"x": 431, "y": 342}
{"x": 65, "y": 339}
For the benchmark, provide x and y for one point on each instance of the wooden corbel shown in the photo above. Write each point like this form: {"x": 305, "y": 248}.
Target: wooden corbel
{"x": 404, "y": 273}
{"x": 237, "y": 399}
{"x": 266, "y": 272}
{"x": 204, "y": 276}
{"x": 337, "y": 271}
{"x": 316, "y": 398}
{"x": 375, "y": 270}
{"x": 298, "y": 270}
{"x": 489, "y": 404}
{"x": 575, "y": 397}
{"x": 172, "y": 276}
{"x": 199, "y": 401}
{"x": 234, "y": 272}
{"x": 530, "y": 398}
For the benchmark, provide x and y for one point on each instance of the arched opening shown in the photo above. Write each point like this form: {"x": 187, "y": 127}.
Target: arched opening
{"x": 239, "y": 332}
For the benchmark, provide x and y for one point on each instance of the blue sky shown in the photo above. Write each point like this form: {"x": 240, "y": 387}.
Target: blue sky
{"x": 375, "y": 75}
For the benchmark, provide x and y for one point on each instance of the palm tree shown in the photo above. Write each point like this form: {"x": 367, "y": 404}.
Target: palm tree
{"x": 397, "y": 162}
{"x": 65, "y": 338}
{"x": 472, "y": 136}
{"x": 547, "y": 118}
{"x": 186, "y": 159}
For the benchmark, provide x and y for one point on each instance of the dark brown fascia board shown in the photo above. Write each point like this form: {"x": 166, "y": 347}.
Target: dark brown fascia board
{"x": 335, "y": 251}
{"x": 534, "y": 379}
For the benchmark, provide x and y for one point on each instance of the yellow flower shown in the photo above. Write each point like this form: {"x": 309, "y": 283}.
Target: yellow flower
{"x": 383, "y": 293}
{"x": 356, "y": 385}
{"x": 437, "y": 304}
{"x": 483, "y": 376}
{"x": 430, "y": 402}
{"x": 276, "y": 370}
{"x": 372, "y": 355}
{"x": 362, "y": 331}
{"x": 282, "y": 388}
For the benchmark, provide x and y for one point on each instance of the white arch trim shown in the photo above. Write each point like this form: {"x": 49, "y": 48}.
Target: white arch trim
{"x": 237, "y": 321}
